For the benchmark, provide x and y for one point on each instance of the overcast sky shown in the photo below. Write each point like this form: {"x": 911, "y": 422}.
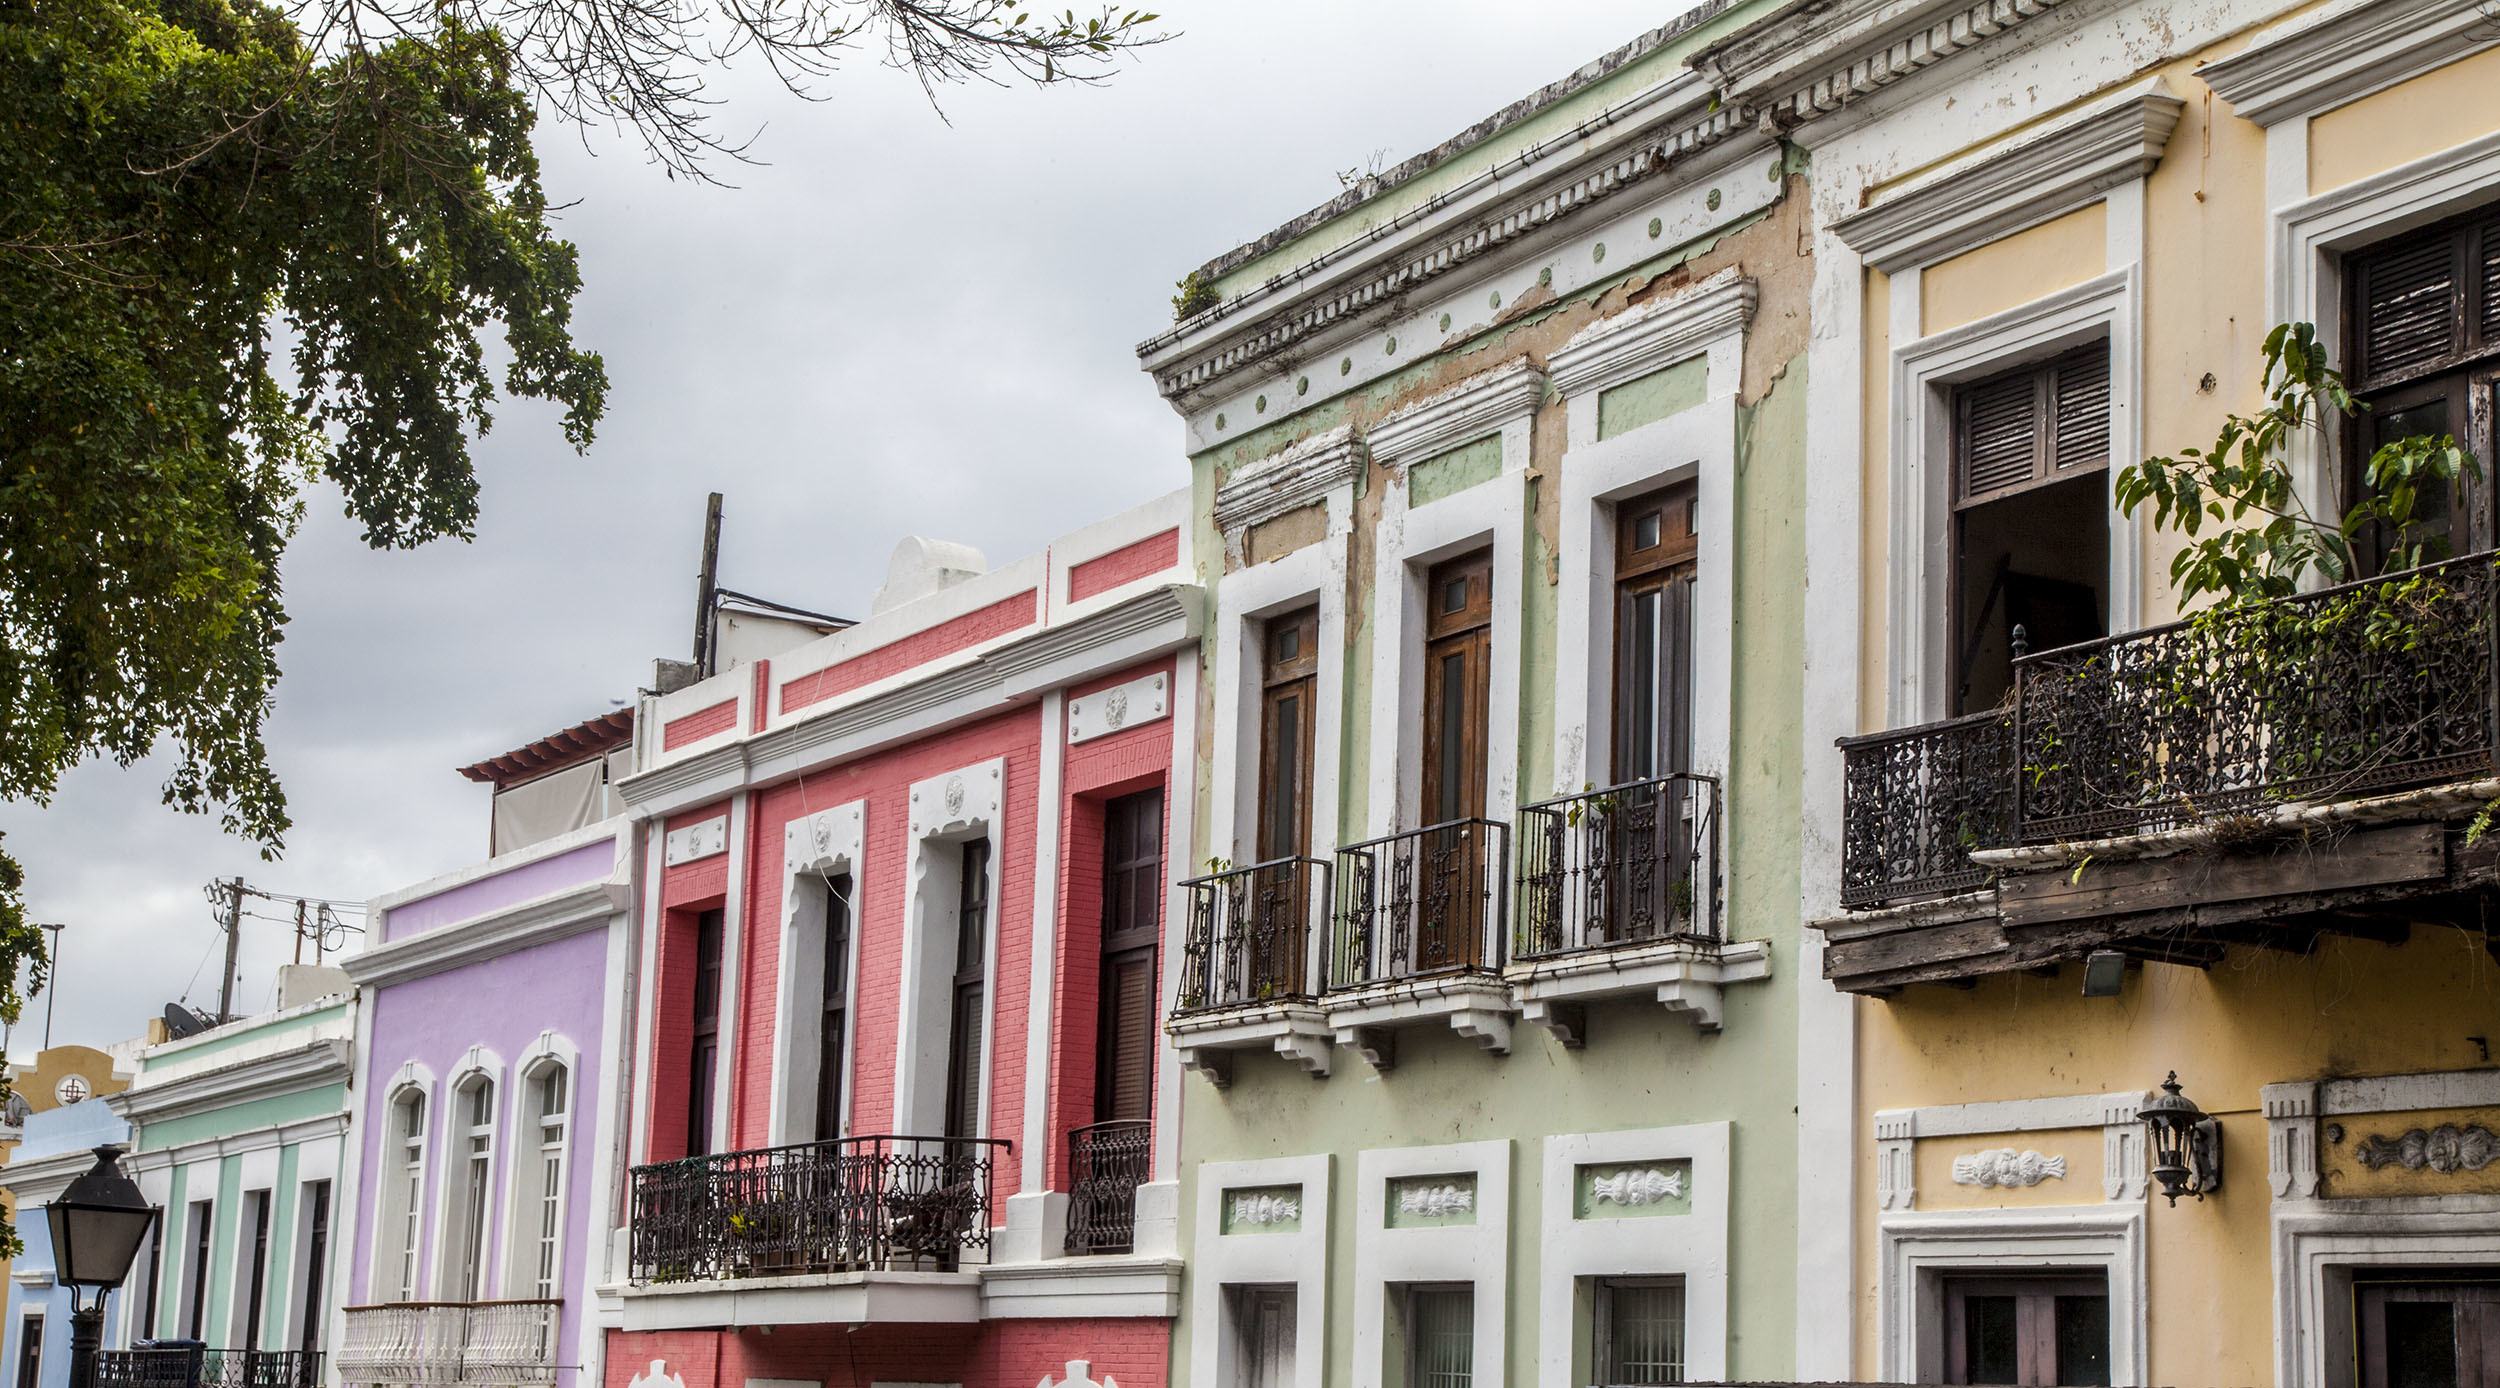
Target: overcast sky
{"x": 897, "y": 325}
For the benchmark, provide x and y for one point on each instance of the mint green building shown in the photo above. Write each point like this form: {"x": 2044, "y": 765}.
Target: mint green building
{"x": 236, "y": 1134}
{"x": 1489, "y": 979}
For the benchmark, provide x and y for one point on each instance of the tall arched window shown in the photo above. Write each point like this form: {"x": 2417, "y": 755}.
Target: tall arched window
{"x": 541, "y": 1215}
{"x": 473, "y": 1108}
{"x": 407, "y": 1189}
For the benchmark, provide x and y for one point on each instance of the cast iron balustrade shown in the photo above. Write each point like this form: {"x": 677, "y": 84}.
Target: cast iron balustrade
{"x": 190, "y": 1366}
{"x": 1107, "y": 1162}
{"x": 2371, "y": 687}
{"x": 1249, "y": 934}
{"x": 511, "y": 1344}
{"x": 1634, "y": 862}
{"x": 877, "y": 1203}
{"x": 1425, "y": 901}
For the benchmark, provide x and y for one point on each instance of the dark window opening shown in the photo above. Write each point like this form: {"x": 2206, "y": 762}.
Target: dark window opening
{"x": 316, "y": 1264}
{"x": 1132, "y": 919}
{"x": 702, "y": 1076}
{"x": 1655, "y": 549}
{"x": 30, "y": 1352}
{"x": 2429, "y": 1328}
{"x": 963, "y": 1048}
{"x": 197, "y": 1290}
{"x": 1289, "y": 679}
{"x": 833, "y": 1021}
{"x": 2044, "y": 1329}
{"x": 2422, "y": 349}
{"x": 257, "y": 1289}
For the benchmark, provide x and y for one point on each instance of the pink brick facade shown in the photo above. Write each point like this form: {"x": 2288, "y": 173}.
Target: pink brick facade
{"x": 1000, "y": 1354}
{"x": 919, "y": 648}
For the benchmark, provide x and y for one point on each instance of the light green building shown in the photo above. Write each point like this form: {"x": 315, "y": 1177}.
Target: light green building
{"x": 1490, "y": 980}
{"x": 237, "y": 1133}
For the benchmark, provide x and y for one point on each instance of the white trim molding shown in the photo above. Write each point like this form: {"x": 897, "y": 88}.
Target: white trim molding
{"x": 2123, "y": 1171}
{"x": 558, "y": 915}
{"x": 2325, "y": 60}
{"x": 951, "y": 808}
{"x": 309, "y": 1066}
{"x": 1915, "y": 1250}
{"x": 1288, "y": 480}
{"x": 1686, "y": 1239}
{"x": 1654, "y": 336}
{"x": 520, "y": 1135}
{"x": 1264, "y": 1255}
{"x": 2109, "y": 307}
{"x": 1999, "y": 191}
{"x": 1470, "y": 1179}
{"x": 816, "y": 847}
{"x": 1478, "y": 406}
{"x": 2318, "y": 1244}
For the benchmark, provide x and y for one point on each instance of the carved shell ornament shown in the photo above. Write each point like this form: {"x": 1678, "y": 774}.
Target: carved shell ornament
{"x": 1640, "y": 1185}
{"x": 2445, "y": 1149}
{"x": 1436, "y": 1200}
{"x": 2003, "y": 1166}
{"x": 1267, "y": 1209}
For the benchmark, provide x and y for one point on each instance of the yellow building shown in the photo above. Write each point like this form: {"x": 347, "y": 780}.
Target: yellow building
{"x": 2067, "y": 845}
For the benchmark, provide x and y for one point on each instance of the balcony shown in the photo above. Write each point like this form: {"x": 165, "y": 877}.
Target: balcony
{"x": 191, "y": 1366}
{"x": 856, "y": 1204}
{"x": 1417, "y": 937}
{"x": 1619, "y": 896}
{"x": 1246, "y": 969}
{"x": 1107, "y": 1162}
{"x": 512, "y": 1344}
{"x": 2260, "y": 776}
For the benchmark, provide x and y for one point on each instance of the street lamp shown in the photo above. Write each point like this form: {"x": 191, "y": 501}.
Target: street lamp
{"x": 98, "y": 1226}
{"x": 2187, "y": 1145}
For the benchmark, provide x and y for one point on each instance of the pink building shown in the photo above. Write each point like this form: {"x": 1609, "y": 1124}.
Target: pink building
{"x": 900, "y": 1112}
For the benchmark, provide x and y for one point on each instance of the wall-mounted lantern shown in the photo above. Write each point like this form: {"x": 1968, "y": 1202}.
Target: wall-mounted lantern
{"x": 2186, "y": 1145}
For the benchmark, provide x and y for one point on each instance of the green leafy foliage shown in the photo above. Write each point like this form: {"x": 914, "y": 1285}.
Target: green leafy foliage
{"x": 2264, "y": 541}
{"x": 1197, "y": 295}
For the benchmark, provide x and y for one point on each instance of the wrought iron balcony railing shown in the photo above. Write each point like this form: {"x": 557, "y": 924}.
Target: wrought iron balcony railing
{"x": 1250, "y": 931}
{"x": 2382, "y": 685}
{"x": 856, "y": 1204}
{"x": 511, "y": 1344}
{"x": 193, "y": 1366}
{"x": 1107, "y": 1162}
{"x": 1425, "y": 901}
{"x": 1634, "y": 862}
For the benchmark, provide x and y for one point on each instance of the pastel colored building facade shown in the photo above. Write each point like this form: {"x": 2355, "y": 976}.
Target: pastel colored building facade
{"x": 66, "y": 1119}
{"x": 491, "y": 1003}
{"x": 900, "y": 1114}
{"x": 2066, "y": 847}
{"x": 236, "y": 1134}
{"x": 1490, "y": 987}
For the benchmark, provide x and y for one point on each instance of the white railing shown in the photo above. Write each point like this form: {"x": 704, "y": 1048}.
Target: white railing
{"x": 509, "y": 1344}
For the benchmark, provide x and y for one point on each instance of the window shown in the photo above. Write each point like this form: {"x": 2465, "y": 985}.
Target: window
{"x": 30, "y": 1351}
{"x": 1638, "y": 1330}
{"x": 2428, "y": 1329}
{"x": 155, "y": 1271}
{"x": 703, "y": 1055}
{"x": 550, "y": 1108}
{"x": 1132, "y": 916}
{"x": 833, "y": 1016}
{"x": 1440, "y": 1335}
{"x": 475, "y": 1103}
{"x": 2030, "y": 1329}
{"x": 2423, "y": 348}
{"x": 195, "y": 1285}
{"x": 1263, "y": 1336}
{"x": 409, "y": 1127}
{"x": 1288, "y": 682}
{"x": 963, "y": 1046}
{"x": 2030, "y": 516}
{"x": 1655, "y": 547}
{"x": 316, "y": 1261}
{"x": 1458, "y": 629}
{"x": 256, "y": 1215}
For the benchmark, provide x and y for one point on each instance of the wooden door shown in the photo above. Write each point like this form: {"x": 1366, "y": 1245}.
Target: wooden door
{"x": 2429, "y": 1333}
{"x": 1447, "y": 917}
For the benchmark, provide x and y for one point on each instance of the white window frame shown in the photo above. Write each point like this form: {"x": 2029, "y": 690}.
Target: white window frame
{"x": 1696, "y": 444}
{"x": 1387, "y": 1259}
{"x": 450, "y": 1123}
{"x": 814, "y": 850}
{"x": 1692, "y": 1246}
{"x": 315, "y": 1163}
{"x": 524, "y": 1172}
{"x": 1915, "y": 1252}
{"x": 400, "y": 1237}
{"x": 947, "y": 811}
{"x": 1408, "y": 540}
{"x": 1296, "y": 1258}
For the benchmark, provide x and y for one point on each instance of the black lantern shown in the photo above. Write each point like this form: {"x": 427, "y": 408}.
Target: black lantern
{"x": 98, "y": 1226}
{"x": 2187, "y": 1145}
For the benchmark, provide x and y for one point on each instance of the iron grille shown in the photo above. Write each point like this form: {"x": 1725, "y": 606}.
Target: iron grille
{"x": 1634, "y": 862}
{"x": 1425, "y": 901}
{"x": 1917, "y": 801}
{"x": 880, "y": 1202}
{"x": 189, "y": 1366}
{"x": 1107, "y": 1162}
{"x": 505, "y": 1344}
{"x": 1249, "y": 934}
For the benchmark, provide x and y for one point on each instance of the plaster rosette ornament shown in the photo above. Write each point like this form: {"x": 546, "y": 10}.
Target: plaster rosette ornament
{"x": 2003, "y": 1166}
{"x": 1636, "y": 1186}
{"x": 1267, "y": 1209}
{"x": 1436, "y": 1200}
{"x": 2446, "y": 1149}
{"x": 1080, "y": 1375}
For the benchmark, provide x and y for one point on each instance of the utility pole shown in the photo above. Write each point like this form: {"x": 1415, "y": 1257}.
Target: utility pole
{"x": 299, "y": 930}
{"x": 234, "y": 944}
{"x": 51, "y": 976}
{"x": 707, "y": 589}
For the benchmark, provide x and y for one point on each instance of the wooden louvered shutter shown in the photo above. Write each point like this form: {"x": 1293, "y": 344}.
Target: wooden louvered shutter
{"x": 1128, "y": 1066}
{"x": 2035, "y": 424}
{"x": 2424, "y": 301}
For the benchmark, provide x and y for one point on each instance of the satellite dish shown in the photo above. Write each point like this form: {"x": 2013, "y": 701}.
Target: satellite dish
{"x": 181, "y": 1021}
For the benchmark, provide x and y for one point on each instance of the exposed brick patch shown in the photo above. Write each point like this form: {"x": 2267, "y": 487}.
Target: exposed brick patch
{"x": 1128, "y": 563}
{"x": 698, "y": 725}
{"x": 947, "y": 637}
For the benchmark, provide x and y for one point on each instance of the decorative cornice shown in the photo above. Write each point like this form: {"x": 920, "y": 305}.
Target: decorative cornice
{"x": 1461, "y": 414}
{"x": 2001, "y": 191}
{"x": 1653, "y": 336}
{"x": 310, "y": 1066}
{"x": 554, "y": 916}
{"x": 1288, "y": 480}
{"x": 1803, "y": 62}
{"x": 296, "y": 1134}
{"x": 37, "y": 1180}
{"x": 2349, "y": 52}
